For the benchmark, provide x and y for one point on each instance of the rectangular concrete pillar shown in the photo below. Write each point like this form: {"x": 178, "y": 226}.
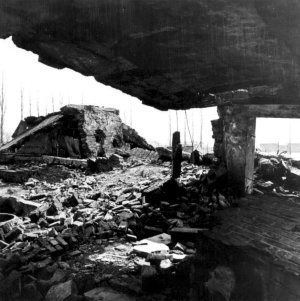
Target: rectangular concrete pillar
{"x": 250, "y": 155}
{"x": 239, "y": 149}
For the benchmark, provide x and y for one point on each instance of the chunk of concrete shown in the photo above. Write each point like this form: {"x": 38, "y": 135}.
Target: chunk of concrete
{"x": 145, "y": 247}
{"x": 107, "y": 294}
{"x": 62, "y": 291}
{"x": 24, "y": 207}
{"x": 162, "y": 238}
{"x": 17, "y": 205}
{"x": 186, "y": 233}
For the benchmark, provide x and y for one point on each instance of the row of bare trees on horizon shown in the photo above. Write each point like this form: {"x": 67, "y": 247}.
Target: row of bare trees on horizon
{"x": 4, "y": 137}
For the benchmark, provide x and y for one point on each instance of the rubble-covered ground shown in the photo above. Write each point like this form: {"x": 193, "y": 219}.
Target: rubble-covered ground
{"x": 126, "y": 234}
{"x": 276, "y": 174}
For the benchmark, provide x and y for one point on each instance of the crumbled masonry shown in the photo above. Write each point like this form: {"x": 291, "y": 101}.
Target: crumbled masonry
{"x": 69, "y": 233}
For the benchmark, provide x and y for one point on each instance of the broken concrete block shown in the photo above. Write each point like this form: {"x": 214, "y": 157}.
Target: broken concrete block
{"x": 23, "y": 207}
{"x": 75, "y": 253}
{"x": 59, "y": 276}
{"x": 155, "y": 259}
{"x": 180, "y": 247}
{"x": 131, "y": 237}
{"x": 13, "y": 234}
{"x": 72, "y": 201}
{"x": 108, "y": 217}
{"x": 62, "y": 291}
{"x": 178, "y": 257}
{"x": 162, "y": 238}
{"x": 185, "y": 234}
{"x": 103, "y": 164}
{"x": 3, "y": 244}
{"x": 116, "y": 160}
{"x": 146, "y": 247}
{"x": 165, "y": 264}
{"x": 39, "y": 212}
{"x": 77, "y": 224}
{"x": 17, "y": 205}
{"x": 42, "y": 223}
{"x": 190, "y": 251}
{"x": 62, "y": 241}
{"x": 107, "y": 294}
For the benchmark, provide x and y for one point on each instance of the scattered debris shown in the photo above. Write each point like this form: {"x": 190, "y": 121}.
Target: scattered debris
{"x": 132, "y": 221}
{"x": 276, "y": 174}
{"x": 111, "y": 226}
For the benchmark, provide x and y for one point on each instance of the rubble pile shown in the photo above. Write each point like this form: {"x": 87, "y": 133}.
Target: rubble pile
{"x": 76, "y": 132}
{"x": 276, "y": 174}
{"x": 125, "y": 231}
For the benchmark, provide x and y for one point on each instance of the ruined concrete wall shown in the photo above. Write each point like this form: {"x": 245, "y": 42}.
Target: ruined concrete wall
{"x": 100, "y": 129}
{"x": 77, "y": 132}
{"x": 52, "y": 142}
{"x": 38, "y": 144}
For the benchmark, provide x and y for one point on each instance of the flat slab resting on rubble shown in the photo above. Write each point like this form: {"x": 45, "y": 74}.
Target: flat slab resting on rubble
{"x": 263, "y": 232}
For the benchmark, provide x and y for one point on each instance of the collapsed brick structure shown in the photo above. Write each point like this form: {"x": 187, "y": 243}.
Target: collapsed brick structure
{"x": 76, "y": 132}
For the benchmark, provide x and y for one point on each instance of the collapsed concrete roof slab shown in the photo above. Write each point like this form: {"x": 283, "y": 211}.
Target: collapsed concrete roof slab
{"x": 77, "y": 131}
{"x": 51, "y": 120}
{"x": 170, "y": 54}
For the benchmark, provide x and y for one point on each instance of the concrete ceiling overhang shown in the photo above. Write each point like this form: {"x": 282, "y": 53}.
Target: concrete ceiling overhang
{"x": 171, "y": 54}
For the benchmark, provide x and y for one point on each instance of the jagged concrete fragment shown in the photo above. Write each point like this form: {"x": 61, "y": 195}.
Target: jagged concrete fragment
{"x": 62, "y": 291}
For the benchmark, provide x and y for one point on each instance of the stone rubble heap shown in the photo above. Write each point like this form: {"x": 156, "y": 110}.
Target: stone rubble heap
{"x": 277, "y": 174}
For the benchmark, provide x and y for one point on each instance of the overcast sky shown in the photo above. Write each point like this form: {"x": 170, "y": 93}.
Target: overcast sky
{"x": 20, "y": 69}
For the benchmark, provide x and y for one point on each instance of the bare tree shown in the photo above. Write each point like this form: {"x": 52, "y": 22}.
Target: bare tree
{"x": 189, "y": 131}
{"x": 2, "y": 111}
{"x": 53, "y": 104}
{"x": 29, "y": 102}
{"x": 201, "y": 130}
{"x": 46, "y": 108}
{"x": 170, "y": 129}
{"x": 38, "y": 107}
{"x": 193, "y": 127}
{"x": 22, "y": 103}
{"x": 61, "y": 101}
{"x": 184, "y": 131}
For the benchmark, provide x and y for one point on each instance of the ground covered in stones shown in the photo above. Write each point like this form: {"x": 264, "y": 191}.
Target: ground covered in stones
{"x": 126, "y": 234}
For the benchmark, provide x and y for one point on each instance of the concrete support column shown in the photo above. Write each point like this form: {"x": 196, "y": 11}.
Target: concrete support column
{"x": 238, "y": 147}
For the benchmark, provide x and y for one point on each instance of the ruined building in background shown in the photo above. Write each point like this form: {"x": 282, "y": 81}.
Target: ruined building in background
{"x": 76, "y": 131}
